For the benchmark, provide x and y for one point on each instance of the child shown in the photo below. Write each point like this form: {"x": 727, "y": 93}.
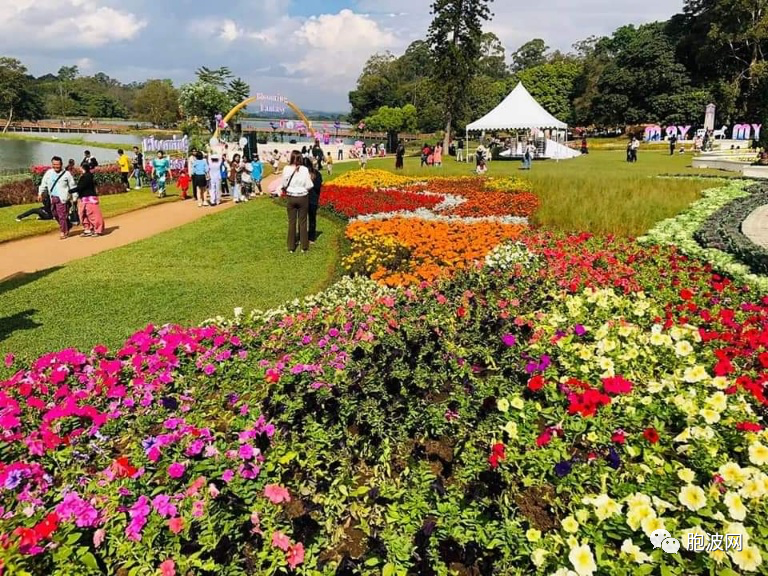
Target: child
{"x": 184, "y": 181}
{"x": 329, "y": 163}
{"x": 257, "y": 173}
{"x": 363, "y": 158}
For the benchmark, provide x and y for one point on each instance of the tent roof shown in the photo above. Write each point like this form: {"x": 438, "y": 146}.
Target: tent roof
{"x": 518, "y": 111}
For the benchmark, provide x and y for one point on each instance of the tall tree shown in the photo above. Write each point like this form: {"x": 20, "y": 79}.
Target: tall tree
{"x": 201, "y": 101}
{"x": 219, "y": 77}
{"x": 455, "y": 38}
{"x": 158, "y": 103}
{"x": 532, "y": 53}
{"x": 238, "y": 90}
{"x": 17, "y": 98}
{"x": 493, "y": 57}
{"x": 376, "y": 86}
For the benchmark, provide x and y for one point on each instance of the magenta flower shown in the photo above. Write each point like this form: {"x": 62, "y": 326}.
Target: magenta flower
{"x": 176, "y": 470}
{"x": 246, "y": 452}
{"x": 227, "y": 475}
{"x": 508, "y": 339}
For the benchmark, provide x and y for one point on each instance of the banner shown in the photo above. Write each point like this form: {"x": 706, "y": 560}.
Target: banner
{"x": 151, "y": 144}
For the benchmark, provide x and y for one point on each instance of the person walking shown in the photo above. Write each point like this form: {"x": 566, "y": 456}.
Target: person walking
{"x": 633, "y": 147}
{"x": 125, "y": 169}
{"x": 161, "y": 170}
{"x": 138, "y": 166}
{"x": 89, "y": 160}
{"x": 88, "y": 205}
{"x": 314, "y": 199}
{"x": 58, "y": 183}
{"x": 200, "y": 178}
{"x": 399, "y": 155}
{"x": 329, "y": 164}
{"x": 437, "y": 155}
{"x": 460, "y": 151}
{"x": 672, "y": 144}
{"x": 214, "y": 180}
{"x": 236, "y": 178}
{"x": 257, "y": 173}
{"x": 297, "y": 183}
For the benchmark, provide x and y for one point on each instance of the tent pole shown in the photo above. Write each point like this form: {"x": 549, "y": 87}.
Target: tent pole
{"x": 466, "y": 145}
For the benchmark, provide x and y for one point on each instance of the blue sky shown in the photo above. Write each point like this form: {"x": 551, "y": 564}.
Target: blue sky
{"x": 311, "y": 51}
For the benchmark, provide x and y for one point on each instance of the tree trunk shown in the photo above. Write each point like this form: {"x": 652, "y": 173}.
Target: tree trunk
{"x": 8, "y": 122}
{"x": 447, "y": 136}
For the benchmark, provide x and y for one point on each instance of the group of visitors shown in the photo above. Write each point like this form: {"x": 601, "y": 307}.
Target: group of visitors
{"x": 156, "y": 173}
{"x": 69, "y": 202}
{"x": 213, "y": 175}
{"x": 432, "y": 155}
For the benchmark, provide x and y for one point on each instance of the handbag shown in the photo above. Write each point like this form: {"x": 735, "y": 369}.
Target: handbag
{"x": 284, "y": 189}
{"x": 74, "y": 217}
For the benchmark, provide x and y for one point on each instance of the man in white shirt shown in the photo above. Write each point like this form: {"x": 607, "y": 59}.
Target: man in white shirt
{"x": 58, "y": 183}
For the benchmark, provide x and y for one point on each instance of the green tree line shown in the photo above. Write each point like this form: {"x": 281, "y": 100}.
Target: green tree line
{"x": 662, "y": 72}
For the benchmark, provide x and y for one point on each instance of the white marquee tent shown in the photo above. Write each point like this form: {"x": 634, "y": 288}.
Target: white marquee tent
{"x": 520, "y": 111}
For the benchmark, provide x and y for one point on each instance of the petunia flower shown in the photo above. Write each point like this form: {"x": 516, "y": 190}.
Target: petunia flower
{"x": 276, "y": 493}
{"x": 295, "y": 555}
{"x": 176, "y": 470}
{"x": 281, "y": 541}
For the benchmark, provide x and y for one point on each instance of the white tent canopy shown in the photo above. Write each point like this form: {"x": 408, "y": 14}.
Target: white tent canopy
{"x": 518, "y": 111}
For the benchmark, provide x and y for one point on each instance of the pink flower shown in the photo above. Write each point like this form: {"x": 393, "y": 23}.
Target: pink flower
{"x": 176, "y": 525}
{"x": 176, "y": 470}
{"x": 198, "y": 508}
{"x": 9, "y": 358}
{"x": 98, "y": 537}
{"x": 227, "y": 475}
{"x": 168, "y": 568}
{"x": 246, "y": 452}
{"x": 276, "y": 493}
{"x": 213, "y": 492}
{"x": 280, "y": 540}
{"x": 256, "y": 521}
{"x": 209, "y": 369}
{"x": 295, "y": 555}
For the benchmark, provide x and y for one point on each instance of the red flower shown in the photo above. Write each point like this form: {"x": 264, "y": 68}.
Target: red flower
{"x": 617, "y": 385}
{"x": 686, "y": 294}
{"x": 651, "y": 435}
{"x": 536, "y": 383}
{"x": 748, "y": 427}
{"x": 48, "y": 525}
{"x": 123, "y": 468}
{"x": 544, "y": 438}
{"x": 619, "y": 437}
{"x": 497, "y": 454}
{"x": 461, "y": 312}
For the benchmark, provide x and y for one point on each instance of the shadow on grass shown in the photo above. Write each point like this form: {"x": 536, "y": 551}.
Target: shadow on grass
{"x": 19, "y": 280}
{"x": 17, "y": 322}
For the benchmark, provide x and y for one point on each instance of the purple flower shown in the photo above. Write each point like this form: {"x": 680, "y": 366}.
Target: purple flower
{"x": 227, "y": 475}
{"x": 246, "y": 452}
{"x": 162, "y": 505}
{"x": 579, "y": 330}
{"x": 13, "y": 479}
{"x": 545, "y": 362}
{"x": 176, "y": 470}
{"x": 614, "y": 461}
{"x": 531, "y": 367}
{"x": 306, "y": 340}
{"x": 563, "y": 468}
{"x": 195, "y": 448}
{"x": 508, "y": 339}
{"x": 333, "y": 332}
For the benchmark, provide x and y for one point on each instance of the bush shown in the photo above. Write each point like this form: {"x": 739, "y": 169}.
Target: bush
{"x": 108, "y": 174}
{"x": 25, "y": 192}
{"x": 722, "y": 230}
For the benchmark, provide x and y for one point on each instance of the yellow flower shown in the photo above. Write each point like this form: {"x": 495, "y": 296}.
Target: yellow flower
{"x": 695, "y": 374}
{"x": 710, "y": 416}
{"x": 583, "y": 561}
{"x": 517, "y": 403}
{"x": 636, "y": 515}
{"x": 502, "y": 404}
{"x": 582, "y": 515}
{"x": 633, "y": 550}
{"x": 693, "y": 497}
{"x": 736, "y": 508}
{"x": 658, "y": 339}
{"x": 720, "y": 382}
{"x": 570, "y": 524}
{"x": 605, "y": 506}
{"x": 718, "y": 401}
{"x": 748, "y": 558}
{"x": 683, "y": 348}
{"x": 758, "y": 454}
{"x": 511, "y": 429}
{"x": 686, "y": 475}
{"x": 732, "y": 473}
{"x": 538, "y": 557}
{"x": 651, "y": 524}
{"x": 533, "y": 535}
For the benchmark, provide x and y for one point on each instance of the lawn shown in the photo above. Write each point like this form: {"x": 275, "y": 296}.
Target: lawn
{"x": 599, "y": 193}
{"x": 110, "y": 206}
{"x": 234, "y": 258}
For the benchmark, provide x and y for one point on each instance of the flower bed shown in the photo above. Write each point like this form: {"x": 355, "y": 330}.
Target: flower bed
{"x": 351, "y": 201}
{"x": 402, "y": 251}
{"x": 373, "y": 179}
{"x": 722, "y": 230}
{"x": 543, "y": 410}
{"x": 24, "y": 191}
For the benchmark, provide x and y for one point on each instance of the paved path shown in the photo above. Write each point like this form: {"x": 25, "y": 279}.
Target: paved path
{"x": 755, "y": 226}
{"x": 30, "y": 255}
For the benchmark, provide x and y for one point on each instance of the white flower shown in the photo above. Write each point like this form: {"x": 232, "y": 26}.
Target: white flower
{"x": 686, "y": 475}
{"x": 736, "y": 508}
{"x": 538, "y": 557}
{"x": 605, "y": 506}
{"x": 631, "y": 549}
{"x": 748, "y": 558}
{"x": 582, "y": 559}
{"x": 683, "y": 348}
{"x": 758, "y": 454}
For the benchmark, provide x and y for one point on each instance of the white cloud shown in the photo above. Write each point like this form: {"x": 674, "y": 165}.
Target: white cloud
{"x": 84, "y": 64}
{"x": 65, "y": 23}
{"x": 229, "y": 31}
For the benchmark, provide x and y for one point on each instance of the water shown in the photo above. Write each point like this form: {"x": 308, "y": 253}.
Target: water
{"x": 18, "y": 154}
{"x": 129, "y": 140}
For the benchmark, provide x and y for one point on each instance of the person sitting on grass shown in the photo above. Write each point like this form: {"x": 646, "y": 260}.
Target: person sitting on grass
{"x": 43, "y": 212}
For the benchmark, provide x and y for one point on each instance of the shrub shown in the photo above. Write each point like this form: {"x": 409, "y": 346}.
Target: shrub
{"x": 107, "y": 174}
{"x": 25, "y": 192}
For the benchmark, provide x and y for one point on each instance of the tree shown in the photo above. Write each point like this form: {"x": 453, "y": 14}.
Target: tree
{"x": 455, "y": 38}
{"x": 17, "y": 99}
{"x": 201, "y": 101}
{"x": 218, "y": 77}
{"x": 530, "y": 54}
{"x": 158, "y": 103}
{"x": 552, "y": 84}
{"x": 376, "y": 86}
{"x": 393, "y": 121}
{"x": 238, "y": 90}
{"x": 493, "y": 58}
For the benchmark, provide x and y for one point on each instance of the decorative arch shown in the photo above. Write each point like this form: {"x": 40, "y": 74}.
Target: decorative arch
{"x": 251, "y": 99}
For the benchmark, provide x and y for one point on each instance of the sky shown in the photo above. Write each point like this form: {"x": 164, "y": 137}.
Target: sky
{"x": 310, "y": 51}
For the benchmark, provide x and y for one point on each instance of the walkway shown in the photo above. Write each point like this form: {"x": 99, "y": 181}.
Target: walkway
{"x": 30, "y": 255}
{"x": 755, "y": 226}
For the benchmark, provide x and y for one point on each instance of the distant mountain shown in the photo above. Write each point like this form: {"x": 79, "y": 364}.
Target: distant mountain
{"x": 311, "y": 114}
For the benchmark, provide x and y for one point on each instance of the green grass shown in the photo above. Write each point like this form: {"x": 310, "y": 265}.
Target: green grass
{"x": 112, "y": 205}
{"x": 598, "y": 193}
{"x": 237, "y": 257}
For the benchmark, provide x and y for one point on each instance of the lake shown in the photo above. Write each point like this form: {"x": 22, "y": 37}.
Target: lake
{"x": 16, "y": 154}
